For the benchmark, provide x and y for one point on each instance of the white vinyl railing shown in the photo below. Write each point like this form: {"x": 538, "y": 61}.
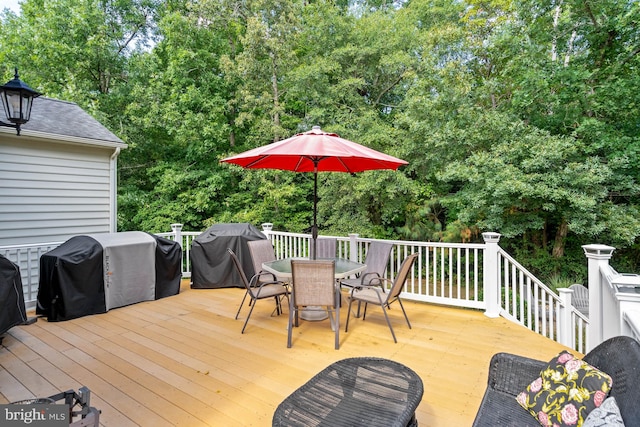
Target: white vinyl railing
{"x": 27, "y": 258}
{"x": 444, "y": 273}
{"x": 471, "y": 275}
{"x": 614, "y": 298}
{"x": 451, "y": 274}
{"x": 526, "y": 300}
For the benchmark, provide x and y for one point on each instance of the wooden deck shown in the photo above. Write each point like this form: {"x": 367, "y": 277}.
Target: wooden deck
{"x": 181, "y": 361}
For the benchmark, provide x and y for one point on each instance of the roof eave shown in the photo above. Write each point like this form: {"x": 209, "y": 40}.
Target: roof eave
{"x": 65, "y": 139}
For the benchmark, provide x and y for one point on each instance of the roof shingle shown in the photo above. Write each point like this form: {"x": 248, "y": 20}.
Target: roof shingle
{"x": 65, "y": 118}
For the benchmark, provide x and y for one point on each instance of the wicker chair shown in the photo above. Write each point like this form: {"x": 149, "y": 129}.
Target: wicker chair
{"x": 258, "y": 290}
{"x": 314, "y": 288}
{"x": 510, "y": 374}
{"x": 375, "y": 294}
{"x": 355, "y": 392}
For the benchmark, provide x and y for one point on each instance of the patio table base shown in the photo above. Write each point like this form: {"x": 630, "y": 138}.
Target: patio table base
{"x": 313, "y": 315}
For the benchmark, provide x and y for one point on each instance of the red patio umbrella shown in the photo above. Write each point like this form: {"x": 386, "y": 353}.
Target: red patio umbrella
{"x": 315, "y": 151}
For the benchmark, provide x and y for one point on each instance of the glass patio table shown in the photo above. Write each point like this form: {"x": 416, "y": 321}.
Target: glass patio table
{"x": 343, "y": 268}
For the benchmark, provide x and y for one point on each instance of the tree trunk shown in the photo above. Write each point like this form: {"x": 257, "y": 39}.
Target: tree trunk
{"x": 554, "y": 40}
{"x": 276, "y": 99}
{"x": 560, "y": 241}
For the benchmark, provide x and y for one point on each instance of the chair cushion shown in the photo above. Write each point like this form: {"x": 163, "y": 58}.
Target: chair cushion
{"x": 566, "y": 391}
{"x": 608, "y": 414}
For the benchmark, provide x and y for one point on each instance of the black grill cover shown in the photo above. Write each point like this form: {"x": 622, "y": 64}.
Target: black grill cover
{"x": 211, "y": 265}
{"x": 12, "y": 309}
{"x": 72, "y": 280}
{"x": 168, "y": 267}
{"x": 72, "y": 277}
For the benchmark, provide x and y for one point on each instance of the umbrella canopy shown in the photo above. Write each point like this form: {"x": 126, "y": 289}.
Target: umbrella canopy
{"x": 315, "y": 151}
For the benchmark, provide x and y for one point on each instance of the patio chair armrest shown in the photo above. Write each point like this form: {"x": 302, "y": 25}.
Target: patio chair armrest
{"x": 262, "y": 273}
{"x": 258, "y": 288}
{"x": 509, "y": 374}
{"x": 367, "y": 280}
{"x": 378, "y": 282}
{"x": 254, "y": 280}
{"x": 378, "y": 285}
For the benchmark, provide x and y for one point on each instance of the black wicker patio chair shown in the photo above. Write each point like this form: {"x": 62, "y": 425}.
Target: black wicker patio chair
{"x": 510, "y": 374}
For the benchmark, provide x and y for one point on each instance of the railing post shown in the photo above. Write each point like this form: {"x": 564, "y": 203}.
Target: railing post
{"x": 177, "y": 233}
{"x": 266, "y": 229}
{"x": 353, "y": 246}
{"x": 597, "y": 256}
{"x": 490, "y": 274}
{"x": 566, "y": 328}
{"x": 627, "y": 300}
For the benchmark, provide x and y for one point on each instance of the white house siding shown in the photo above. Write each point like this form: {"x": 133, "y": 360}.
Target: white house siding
{"x": 57, "y": 180}
{"x": 51, "y": 191}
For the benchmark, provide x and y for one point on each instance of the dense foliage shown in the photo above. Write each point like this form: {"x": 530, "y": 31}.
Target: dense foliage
{"x": 516, "y": 116}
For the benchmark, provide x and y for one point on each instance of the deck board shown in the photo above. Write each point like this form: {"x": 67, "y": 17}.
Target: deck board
{"x": 181, "y": 361}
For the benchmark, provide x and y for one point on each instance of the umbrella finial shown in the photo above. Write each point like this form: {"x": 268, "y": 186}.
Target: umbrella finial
{"x": 316, "y": 129}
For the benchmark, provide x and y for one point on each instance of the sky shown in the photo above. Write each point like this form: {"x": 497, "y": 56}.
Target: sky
{"x": 11, "y": 4}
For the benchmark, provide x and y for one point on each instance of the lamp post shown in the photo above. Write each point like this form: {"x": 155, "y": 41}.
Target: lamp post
{"x": 17, "y": 99}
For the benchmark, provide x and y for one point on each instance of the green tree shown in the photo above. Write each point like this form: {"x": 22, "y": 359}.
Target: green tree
{"x": 77, "y": 50}
{"x": 178, "y": 127}
{"x": 516, "y": 116}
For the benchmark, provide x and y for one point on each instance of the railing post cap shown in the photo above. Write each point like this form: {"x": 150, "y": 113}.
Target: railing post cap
{"x": 176, "y": 226}
{"x": 267, "y": 226}
{"x": 598, "y": 251}
{"x": 626, "y": 280}
{"x": 491, "y": 237}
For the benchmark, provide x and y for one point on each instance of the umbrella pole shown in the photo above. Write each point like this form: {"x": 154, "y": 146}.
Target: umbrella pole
{"x": 314, "y": 228}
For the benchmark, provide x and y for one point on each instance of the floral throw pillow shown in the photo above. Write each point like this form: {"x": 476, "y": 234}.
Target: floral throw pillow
{"x": 567, "y": 390}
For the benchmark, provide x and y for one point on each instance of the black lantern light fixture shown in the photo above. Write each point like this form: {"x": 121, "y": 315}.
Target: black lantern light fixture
{"x": 17, "y": 99}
